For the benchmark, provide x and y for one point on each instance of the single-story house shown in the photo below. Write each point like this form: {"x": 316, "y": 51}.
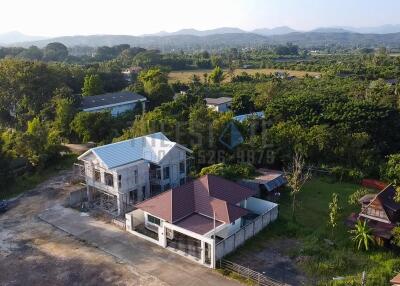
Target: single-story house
{"x": 244, "y": 117}
{"x": 266, "y": 183}
{"x": 116, "y": 103}
{"x": 381, "y": 212}
{"x": 220, "y": 104}
{"x": 202, "y": 220}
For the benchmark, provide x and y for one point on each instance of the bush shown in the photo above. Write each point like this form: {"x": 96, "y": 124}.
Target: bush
{"x": 232, "y": 172}
{"x": 354, "y": 197}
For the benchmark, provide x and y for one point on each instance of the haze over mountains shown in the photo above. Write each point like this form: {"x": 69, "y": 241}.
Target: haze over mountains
{"x": 192, "y": 39}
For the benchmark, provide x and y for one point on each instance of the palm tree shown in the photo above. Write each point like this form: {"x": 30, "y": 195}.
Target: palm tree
{"x": 362, "y": 235}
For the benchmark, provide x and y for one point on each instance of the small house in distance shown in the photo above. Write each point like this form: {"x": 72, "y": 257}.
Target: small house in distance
{"x": 130, "y": 72}
{"x": 220, "y": 104}
{"x": 267, "y": 183}
{"x": 116, "y": 103}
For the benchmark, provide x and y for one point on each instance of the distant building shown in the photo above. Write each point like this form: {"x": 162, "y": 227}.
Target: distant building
{"x": 244, "y": 117}
{"x": 129, "y": 72}
{"x": 116, "y": 103}
{"x": 220, "y": 104}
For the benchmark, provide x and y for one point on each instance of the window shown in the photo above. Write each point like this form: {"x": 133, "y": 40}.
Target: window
{"x": 182, "y": 181}
{"x": 153, "y": 220}
{"x": 119, "y": 181}
{"x": 97, "y": 175}
{"x": 158, "y": 174}
{"x": 182, "y": 167}
{"x": 136, "y": 176}
{"x": 109, "y": 179}
{"x": 166, "y": 173}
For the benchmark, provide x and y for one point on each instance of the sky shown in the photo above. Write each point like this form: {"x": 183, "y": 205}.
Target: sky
{"x": 136, "y": 17}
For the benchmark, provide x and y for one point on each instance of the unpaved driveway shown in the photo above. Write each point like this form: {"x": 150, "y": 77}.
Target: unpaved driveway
{"x": 146, "y": 256}
{"x": 33, "y": 252}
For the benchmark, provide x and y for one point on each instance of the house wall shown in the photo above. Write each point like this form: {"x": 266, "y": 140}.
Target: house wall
{"x": 128, "y": 182}
{"x": 115, "y": 109}
{"x": 172, "y": 160}
{"x": 225, "y": 107}
{"x": 227, "y": 229}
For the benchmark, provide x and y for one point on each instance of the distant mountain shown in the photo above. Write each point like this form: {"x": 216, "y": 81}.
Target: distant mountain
{"x": 194, "y": 32}
{"x": 385, "y": 29}
{"x": 330, "y": 30}
{"x": 17, "y": 37}
{"x": 274, "y": 31}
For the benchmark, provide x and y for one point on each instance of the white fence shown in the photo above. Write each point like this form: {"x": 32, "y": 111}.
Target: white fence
{"x": 235, "y": 240}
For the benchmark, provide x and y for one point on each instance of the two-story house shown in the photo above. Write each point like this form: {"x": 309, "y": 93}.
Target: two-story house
{"x": 122, "y": 174}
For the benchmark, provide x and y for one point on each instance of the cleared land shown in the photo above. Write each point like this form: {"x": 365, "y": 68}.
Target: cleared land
{"x": 184, "y": 76}
{"x": 300, "y": 251}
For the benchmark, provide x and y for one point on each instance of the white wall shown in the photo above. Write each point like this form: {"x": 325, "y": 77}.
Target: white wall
{"x": 172, "y": 160}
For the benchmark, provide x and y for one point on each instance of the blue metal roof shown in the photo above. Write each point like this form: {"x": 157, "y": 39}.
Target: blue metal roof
{"x": 244, "y": 117}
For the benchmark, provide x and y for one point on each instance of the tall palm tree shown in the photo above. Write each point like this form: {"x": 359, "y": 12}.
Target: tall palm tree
{"x": 362, "y": 235}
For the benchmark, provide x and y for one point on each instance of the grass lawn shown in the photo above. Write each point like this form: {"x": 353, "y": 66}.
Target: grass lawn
{"x": 319, "y": 260}
{"x": 30, "y": 180}
{"x": 184, "y": 76}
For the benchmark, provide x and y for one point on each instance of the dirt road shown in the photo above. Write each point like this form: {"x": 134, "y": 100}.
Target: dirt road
{"x": 34, "y": 253}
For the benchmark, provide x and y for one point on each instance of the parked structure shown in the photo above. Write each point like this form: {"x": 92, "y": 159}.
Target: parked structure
{"x": 220, "y": 104}
{"x": 267, "y": 182}
{"x": 203, "y": 220}
{"x": 116, "y": 103}
{"x": 122, "y": 174}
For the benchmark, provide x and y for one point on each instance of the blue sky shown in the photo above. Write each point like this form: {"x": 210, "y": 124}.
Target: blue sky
{"x": 135, "y": 17}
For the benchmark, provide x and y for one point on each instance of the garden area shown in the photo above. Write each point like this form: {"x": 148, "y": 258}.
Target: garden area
{"x": 306, "y": 250}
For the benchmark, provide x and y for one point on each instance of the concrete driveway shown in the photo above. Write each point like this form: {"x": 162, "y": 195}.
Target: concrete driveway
{"x": 143, "y": 255}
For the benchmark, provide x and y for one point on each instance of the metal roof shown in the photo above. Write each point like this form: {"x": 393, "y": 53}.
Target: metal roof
{"x": 244, "y": 117}
{"x": 151, "y": 148}
{"x": 110, "y": 99}
{"x": 218, "y": 101}
{"x": 206, "y": 196}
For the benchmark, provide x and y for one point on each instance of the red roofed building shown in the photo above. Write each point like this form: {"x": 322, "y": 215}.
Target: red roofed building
{"x": 191, "y": 219}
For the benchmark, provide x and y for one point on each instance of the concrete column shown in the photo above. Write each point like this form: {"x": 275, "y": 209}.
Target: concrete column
{"x": 203, "y": 252}
{"x": 120, "y": 203}
{"x": 162, "y": 237}
{"x": 89, "y": 194}
{"x": 143, "y": 107}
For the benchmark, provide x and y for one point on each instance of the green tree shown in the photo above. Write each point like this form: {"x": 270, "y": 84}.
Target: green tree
{"x": 92, "y": 85}
{"x": 55, "y": 52}
{"x": 231, "y": 172}
{"x": 217, "y": 75}
{"x": 362, "y": 235}
{"x": 155, "y": 83}
{"x": 65, "y": 112}
{"x": 392, "y": 169}
{"x": 94, "y": 126}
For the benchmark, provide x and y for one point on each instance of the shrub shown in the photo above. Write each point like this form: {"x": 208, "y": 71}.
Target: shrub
{"x": 354, "y": 197}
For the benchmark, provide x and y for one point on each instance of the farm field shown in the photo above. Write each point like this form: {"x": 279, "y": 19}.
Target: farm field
{"x": 185, "y": 75}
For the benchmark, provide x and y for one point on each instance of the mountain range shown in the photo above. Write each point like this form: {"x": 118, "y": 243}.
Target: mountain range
{"x": 226, "y": 37}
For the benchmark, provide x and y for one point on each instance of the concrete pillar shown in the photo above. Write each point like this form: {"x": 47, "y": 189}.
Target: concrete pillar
{"x": 143, "y": 107}
{"x": 120, "y": 203}
{"x": 203, "y": 252}
{"x": 89, "y": 194}
{"x": 162, "y": 237}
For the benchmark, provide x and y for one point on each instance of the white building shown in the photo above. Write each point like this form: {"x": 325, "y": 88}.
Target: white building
{"x": 203, "y": 220}
{"x": 220, "y": 104}
{"x": 122, "y": 174}
{"x": 116, "y": 103}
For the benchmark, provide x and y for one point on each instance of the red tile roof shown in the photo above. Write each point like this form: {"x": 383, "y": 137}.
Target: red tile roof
{"x": 198, "y": 223}
{"x": 206, "y": 196}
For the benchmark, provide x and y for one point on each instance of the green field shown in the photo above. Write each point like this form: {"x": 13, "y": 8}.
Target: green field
{"x": 184, "y": 76}
{"x": 319, "y": 260}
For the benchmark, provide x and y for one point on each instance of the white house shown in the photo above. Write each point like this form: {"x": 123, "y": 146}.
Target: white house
{"x": 122, "y": 174}
{"x": 203, "y": 220}
{"x": 116, "y": 103}
{"x": 220, "y": 104}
